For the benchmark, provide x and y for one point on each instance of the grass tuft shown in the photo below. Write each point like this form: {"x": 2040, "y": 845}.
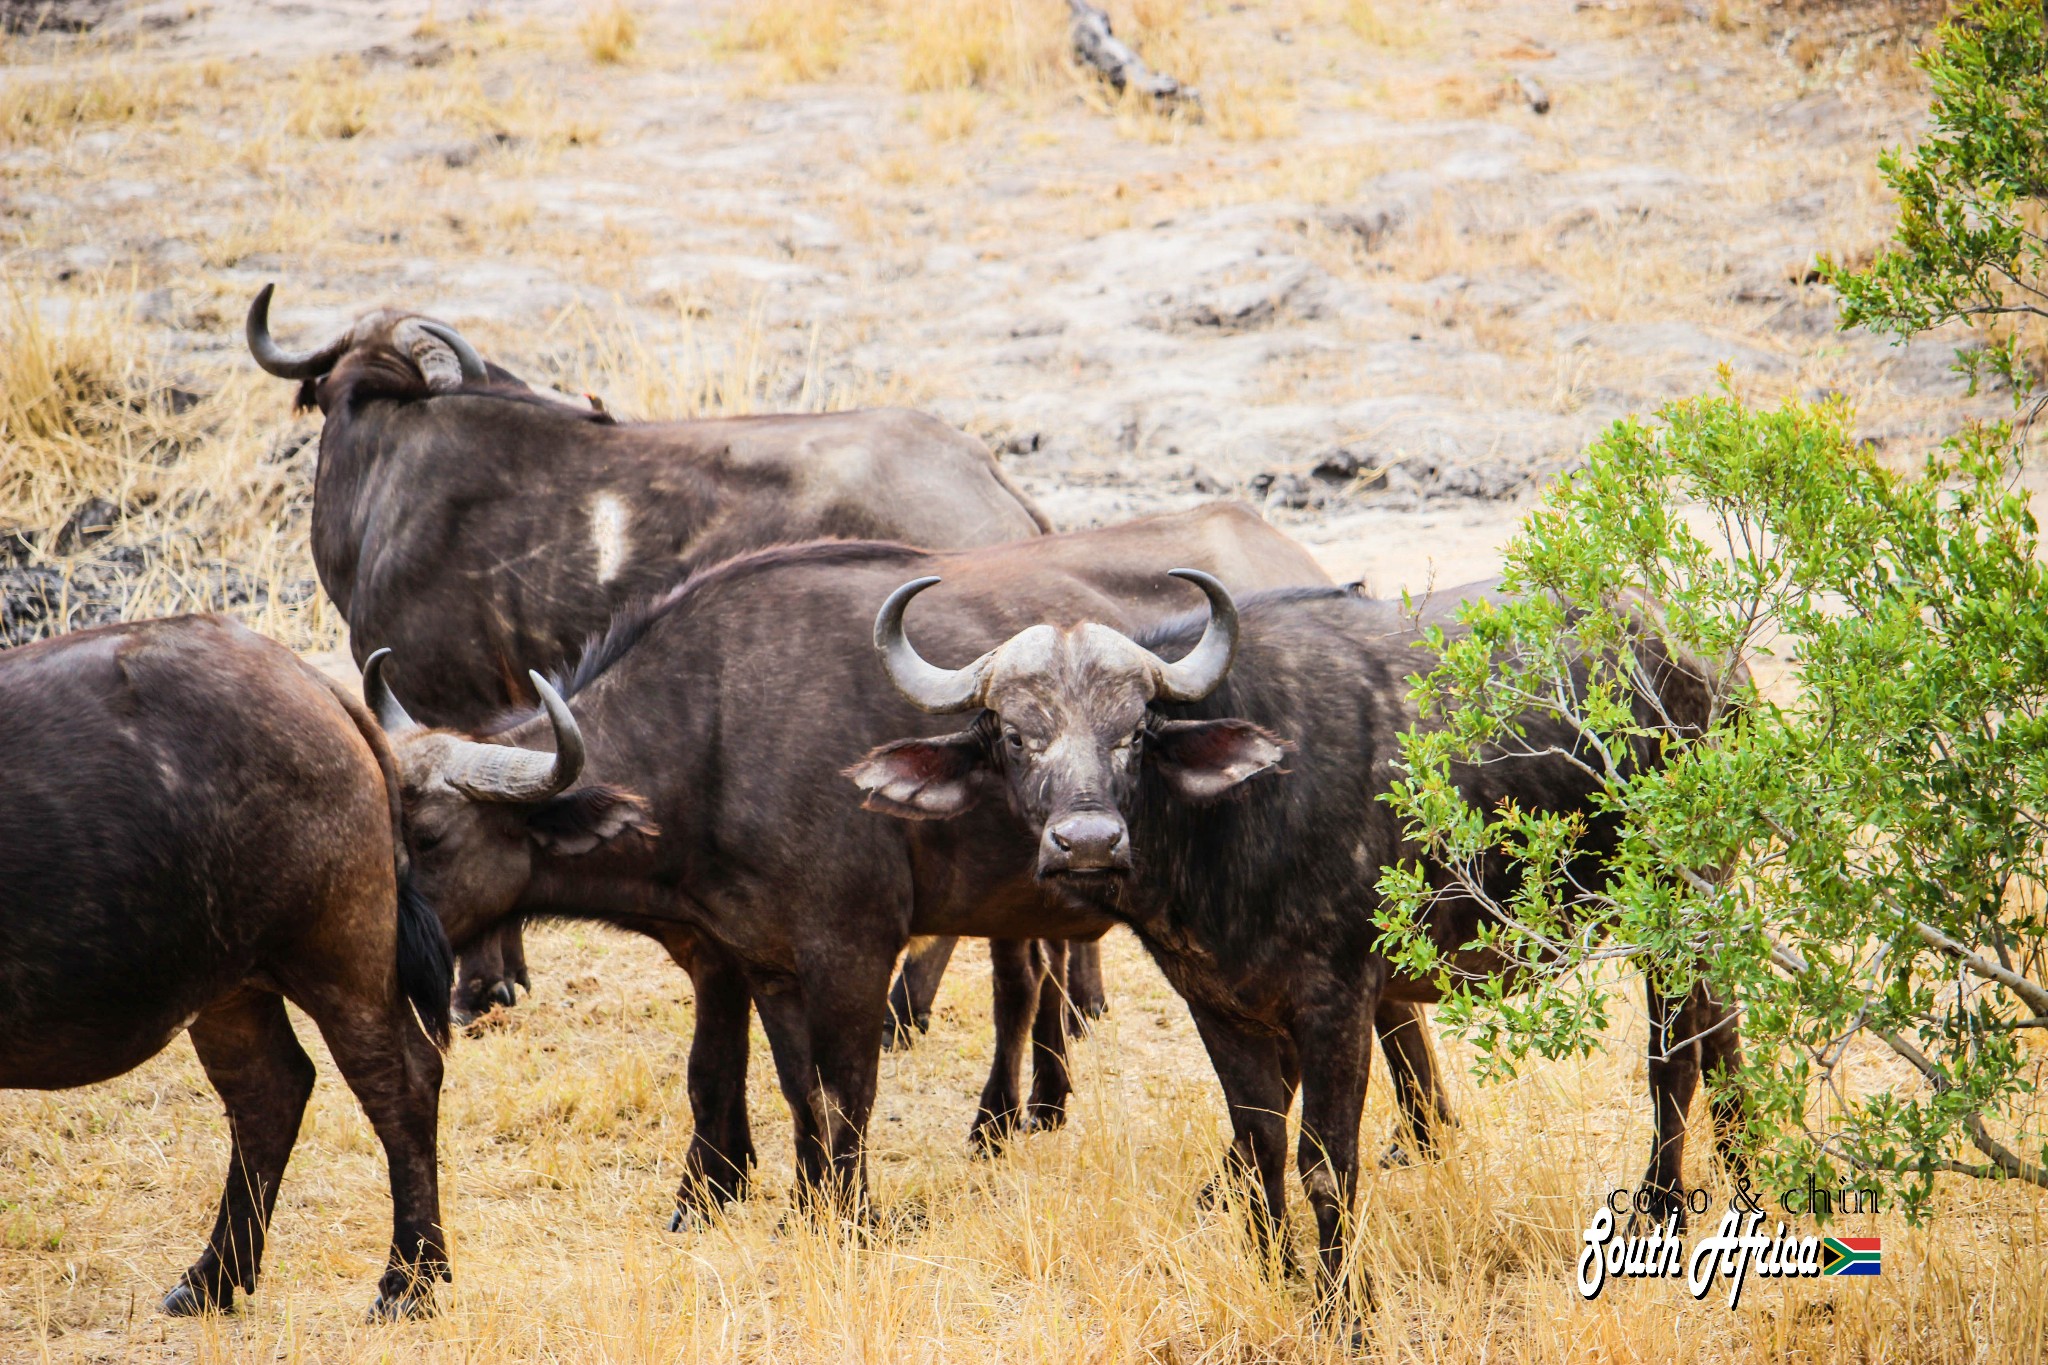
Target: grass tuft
{"x": 610, "y": 32}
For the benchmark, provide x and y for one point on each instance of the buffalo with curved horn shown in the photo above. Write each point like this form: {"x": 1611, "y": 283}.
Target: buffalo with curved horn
{"x": 484, "y": 529}
{"x": 214, "y": 832}
{"x": 1156, "y": 794}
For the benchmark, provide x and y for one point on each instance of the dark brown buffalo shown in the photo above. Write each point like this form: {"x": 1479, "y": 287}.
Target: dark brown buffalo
{"x": 1149, "y": 777}
{"x": 479, "y": 529}
{"x": 722, "y": 717}
{"x": 194, "y": 828}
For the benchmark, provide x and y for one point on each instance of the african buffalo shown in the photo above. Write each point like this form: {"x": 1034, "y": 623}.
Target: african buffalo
{"x": 1149, "y": 775}
{"x": 716, "y": 723}
{"x": 480, "y": 529}
{"x": 194, "y": 828}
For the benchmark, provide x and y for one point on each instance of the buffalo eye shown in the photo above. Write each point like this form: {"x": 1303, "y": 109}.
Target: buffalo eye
{"x": 425, "y": 841}
{"x": 1015, "y": 740}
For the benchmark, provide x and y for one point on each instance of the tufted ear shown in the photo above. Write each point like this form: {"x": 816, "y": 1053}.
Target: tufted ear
{"x": 923, "y": 779}
{"x": 1202, "y": 760}
{"x": 578, "y": 821}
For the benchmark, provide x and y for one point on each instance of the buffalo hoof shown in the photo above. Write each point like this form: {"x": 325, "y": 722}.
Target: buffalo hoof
{"x": 903, "y": 1035}
{"x": 992, "y": 1133}
{"x": 410, "y": 1304}
{"x": 189, "y": 1300}
{"x": 1047, "y": 1118}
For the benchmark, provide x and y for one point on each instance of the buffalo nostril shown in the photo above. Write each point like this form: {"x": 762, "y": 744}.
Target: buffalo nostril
{"x": 1062, "y": 842}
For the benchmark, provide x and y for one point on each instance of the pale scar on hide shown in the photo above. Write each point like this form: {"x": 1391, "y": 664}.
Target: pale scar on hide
{"x": 608, "y": 534}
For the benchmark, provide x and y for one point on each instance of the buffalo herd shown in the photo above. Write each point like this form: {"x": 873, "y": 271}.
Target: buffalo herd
{"x": 661, "y": 676}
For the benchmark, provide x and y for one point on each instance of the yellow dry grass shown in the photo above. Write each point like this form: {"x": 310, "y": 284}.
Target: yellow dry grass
{"x": 804, "y": 40}
{"x": 202, "y": 476}
{"x": 610, "y": 31}
{"x": 562, "y": 1127}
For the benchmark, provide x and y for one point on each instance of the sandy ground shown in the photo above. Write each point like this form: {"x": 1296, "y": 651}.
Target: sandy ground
{"x": 1375, "y": 260}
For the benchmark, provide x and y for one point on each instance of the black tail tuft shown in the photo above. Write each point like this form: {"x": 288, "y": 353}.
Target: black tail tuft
{"x": 426, "y": 964}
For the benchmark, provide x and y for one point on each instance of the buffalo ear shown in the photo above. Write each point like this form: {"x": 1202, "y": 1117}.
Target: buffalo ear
{"x": 1201, "y": 760}
{"x": 579, "y": 821}
{"x": 923, "y": 779}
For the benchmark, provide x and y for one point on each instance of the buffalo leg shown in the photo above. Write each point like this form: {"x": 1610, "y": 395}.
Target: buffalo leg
{"x": 1252, "y": 1071}
{"x": 1051, "y": 1083}
{"x": 1085, "y": 997}
{"x": 1677, "y": 1041}
{"x": 715, "y": 1170}
{"x": 1721, "y": 1058}
{"x": 825, "y": 1031}
{"x": 246, "y": 1044}
{"x": 917, "y": 985}
{"x": 1688, "y": 1038}
{"x": 1019, "y": 968}
{"x": 395, "y": 1072}
{"x": 1418, "y": 1088}
{"x": 1334, "y": 1035}
{"x": 491, "y": 967}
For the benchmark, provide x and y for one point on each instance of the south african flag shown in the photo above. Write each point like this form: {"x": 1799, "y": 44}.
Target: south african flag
{"x": 1851, "y": 1256}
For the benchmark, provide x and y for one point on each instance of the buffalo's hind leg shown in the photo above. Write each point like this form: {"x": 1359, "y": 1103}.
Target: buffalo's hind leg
{"x": 1418, "y": 1086}
{"x": 490, "y": 968}
{"x": 917, "y": 985}
{"x": 1086, "y": 998}
{"x": 264, "y": 1077}
{"x": 395, "y": 1071}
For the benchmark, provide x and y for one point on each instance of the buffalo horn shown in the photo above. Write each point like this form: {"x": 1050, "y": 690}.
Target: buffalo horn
{"x": 278, "y": 361}
{"x": 502, "y": 772}
{"x": 1197, "y": 675}
{"x": 377, "y": 696}
{"x": 928, "y": 688}
{"x": 473, "y": 371}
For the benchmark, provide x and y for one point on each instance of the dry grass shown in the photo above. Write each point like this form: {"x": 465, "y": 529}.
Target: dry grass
{"x": 804, "y": 40}
{"x": 561, "y": 1129}
{"x": 37, "y": 111}
{"x": 979, "y": 44}
{"x": 610, "y": 31}
{"x": 197, "y": 479}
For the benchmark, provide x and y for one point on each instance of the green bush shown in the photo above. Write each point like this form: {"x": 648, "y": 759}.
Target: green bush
{"x": 1973, "y": 199}
{"x": 1853, "y": 855}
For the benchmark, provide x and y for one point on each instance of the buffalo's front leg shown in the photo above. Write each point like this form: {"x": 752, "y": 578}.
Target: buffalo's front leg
{"x": 715, "y": 1170}
{"x": 491, "y": 968}
{"x": 1253, "y": 1074}
{"x": 1051, "y": 1082}
{"x": 1018, "y": 968}
{"x": 917, "y": 985}
{"x": 1333, "y": 1035}
{"x": 1721, "y": 1059}
{"x": 1418, "y": 1088}
{"x": 246, "y": 1044}
{"x": 824, "y": 1028}
{"x": 1687, "y": 1037}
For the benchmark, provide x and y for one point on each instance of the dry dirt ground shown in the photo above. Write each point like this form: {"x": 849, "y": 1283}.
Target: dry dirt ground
{"x": 1372, "y": 289}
